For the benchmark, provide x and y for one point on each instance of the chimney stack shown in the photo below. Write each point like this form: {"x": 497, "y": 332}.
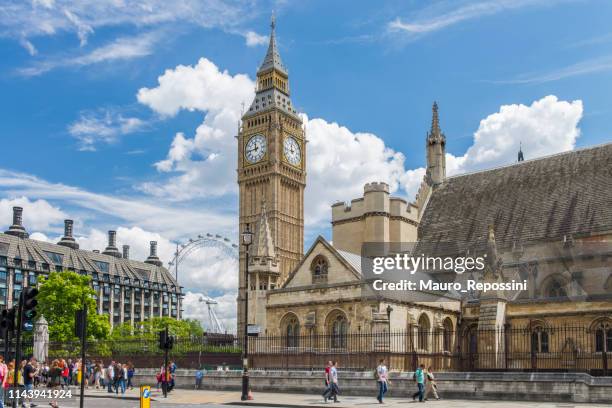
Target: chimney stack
{"x": 68, "y": 240}
{"x": 17, "y": 228}
{"x": 112, "y": 249}
{"x": 126, "y": 251}
{"x": 153, "y": 259}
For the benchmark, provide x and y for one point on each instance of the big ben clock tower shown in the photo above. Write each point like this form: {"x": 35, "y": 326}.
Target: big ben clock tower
{"x": 271, "y": 180}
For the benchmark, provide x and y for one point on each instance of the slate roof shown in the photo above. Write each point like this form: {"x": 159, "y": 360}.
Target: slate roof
{"x": 537, "y": 200}
{"x": 39, "y": 252}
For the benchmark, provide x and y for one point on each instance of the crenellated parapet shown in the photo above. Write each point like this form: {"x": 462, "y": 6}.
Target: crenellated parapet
{"x": 375, "y": 217}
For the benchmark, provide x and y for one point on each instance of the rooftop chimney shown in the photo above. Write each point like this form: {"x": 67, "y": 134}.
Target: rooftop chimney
{"x": 126, "y": 251}
{"x": 153, "y": 259}
{"x": 17, "y": 228}
{"x": 112, "y": 249}
{"x": 68, "y": 240}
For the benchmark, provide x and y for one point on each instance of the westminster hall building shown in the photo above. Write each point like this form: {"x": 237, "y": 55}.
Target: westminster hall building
{"x": 544, "y": 222}
{"x": 128, "y": 291}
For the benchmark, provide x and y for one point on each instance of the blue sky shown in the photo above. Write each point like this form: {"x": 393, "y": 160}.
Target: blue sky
{"x": 101, "y": 124}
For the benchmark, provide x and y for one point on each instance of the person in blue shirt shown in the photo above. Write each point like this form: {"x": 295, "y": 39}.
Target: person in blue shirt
{"x": 419, "y": 378}
{"x": 199, "y": 375}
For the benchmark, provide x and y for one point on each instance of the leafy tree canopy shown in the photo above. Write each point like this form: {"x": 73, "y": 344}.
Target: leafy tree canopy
{"x": 150, "y": 328}
{"x": 60, "y": 295}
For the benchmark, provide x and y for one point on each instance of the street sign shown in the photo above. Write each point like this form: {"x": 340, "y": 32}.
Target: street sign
{"x": 28, "y": 326}
{"x": 145, "y": 396}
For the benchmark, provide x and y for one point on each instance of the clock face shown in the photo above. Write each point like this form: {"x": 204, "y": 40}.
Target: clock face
{"x": 292, "y": 150}
{"x": 255, "y": 149}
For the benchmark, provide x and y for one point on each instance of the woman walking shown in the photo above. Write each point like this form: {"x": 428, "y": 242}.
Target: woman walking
{"x": 432, "y": 387}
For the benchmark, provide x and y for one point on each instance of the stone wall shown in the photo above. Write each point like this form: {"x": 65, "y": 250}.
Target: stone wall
{"x": 560, "y": 387}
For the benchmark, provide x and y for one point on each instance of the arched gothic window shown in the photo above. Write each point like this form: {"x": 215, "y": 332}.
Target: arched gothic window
{"x": 338, "y": 330}
{"x": 603, "y": 335}
{"x": 555, "y": 289}
{"x": 539, "y": 340}
{"x": 291, "y": 331}
{"x": 423, "y": 332}
{"x": 319, "y": 269}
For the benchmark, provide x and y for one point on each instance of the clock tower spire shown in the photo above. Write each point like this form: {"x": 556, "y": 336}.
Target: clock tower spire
{"x": 271, "y": 169}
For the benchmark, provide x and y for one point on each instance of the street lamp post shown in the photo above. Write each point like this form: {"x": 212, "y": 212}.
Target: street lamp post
{"x": 247, "y": 240}
{"x": 389, "y": 310}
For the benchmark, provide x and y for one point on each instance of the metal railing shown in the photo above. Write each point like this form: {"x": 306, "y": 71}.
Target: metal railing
{"x": 561, "y": 349}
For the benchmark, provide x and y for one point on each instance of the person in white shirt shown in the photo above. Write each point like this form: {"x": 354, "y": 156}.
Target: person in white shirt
{"x": 382, "y": 379}
{"x": 110, "y": 376}
{"x": 432, "y": 387}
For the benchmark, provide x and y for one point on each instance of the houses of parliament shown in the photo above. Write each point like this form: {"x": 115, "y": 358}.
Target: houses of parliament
{"x": 547, "y": 221}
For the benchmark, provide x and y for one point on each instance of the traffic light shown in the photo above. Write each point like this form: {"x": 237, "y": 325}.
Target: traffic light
{"x": 166, "y": 342}
{"x": 7, "y": 320}
{"x": 29, "y": 303}
{"x": 162, "y": 339}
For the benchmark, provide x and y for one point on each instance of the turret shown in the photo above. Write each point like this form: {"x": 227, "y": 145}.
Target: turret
{"x": 436, "y": 151}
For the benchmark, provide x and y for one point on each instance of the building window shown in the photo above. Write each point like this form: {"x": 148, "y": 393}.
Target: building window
{"x": 319, "y": 269}
{"x": 291, "y": 330}
{"x": 603, "y": 336}
{"x": 539, "y": 340}
{"x": 338, "y": 330}
{"x": 555, "y": 289}
{"x": 423, "y": 333}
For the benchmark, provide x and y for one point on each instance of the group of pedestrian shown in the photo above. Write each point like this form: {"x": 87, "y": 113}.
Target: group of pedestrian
{"x": 424, "y": 379}
{"x": 62, "y": 374}
{"x": 116, "y": 376}
{"x": 165, "y": 377}
{"x": 426, "y": 384}
{"x": 331, "y": 382}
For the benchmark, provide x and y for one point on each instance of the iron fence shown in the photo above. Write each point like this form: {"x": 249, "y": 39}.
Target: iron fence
{"x": 561, "y": 349}
{"x": 192, "y": 352}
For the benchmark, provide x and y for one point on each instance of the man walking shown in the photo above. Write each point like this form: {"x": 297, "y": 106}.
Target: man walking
{"x": 333, "y": 373}
{"x": 381, "y": 378}
{"x": 327, "y": 391}
{"x": 419, "y": 378}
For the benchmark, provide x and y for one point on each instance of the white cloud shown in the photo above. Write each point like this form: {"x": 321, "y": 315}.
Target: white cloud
{"x": 20, "y": 18}
{"x": 171, "y": 221}
{"x": 120, "y": 49}
{"x": 38, "y": 214}
{"x": 590, "y": 66}
{"x": 105, "y": 125}
{"x": 439, "y": 16}
{"x": 353, "y": 158}
{"x": 30, "y": 48}
{"x": 545, "y": 127}
{"x": 253, "y": 39}
{"x": 199, "y": 166}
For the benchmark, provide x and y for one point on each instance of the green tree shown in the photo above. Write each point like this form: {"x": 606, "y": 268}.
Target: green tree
{"x": 60, "y": 295}
{"x": 149, "y": 329}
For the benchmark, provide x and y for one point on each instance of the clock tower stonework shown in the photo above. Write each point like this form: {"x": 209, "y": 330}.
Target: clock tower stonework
{"x": 271, "y": 180}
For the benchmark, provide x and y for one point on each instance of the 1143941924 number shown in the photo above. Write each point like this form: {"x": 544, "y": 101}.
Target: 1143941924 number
{"x": 34, "y": 394}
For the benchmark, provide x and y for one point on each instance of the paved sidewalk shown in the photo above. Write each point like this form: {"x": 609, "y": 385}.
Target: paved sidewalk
{"x": 267, "y": 399}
